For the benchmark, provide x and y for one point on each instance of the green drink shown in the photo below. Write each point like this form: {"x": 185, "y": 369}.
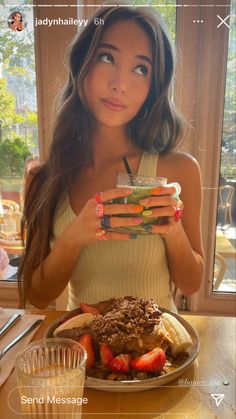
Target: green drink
{"x": 142, "y": 186}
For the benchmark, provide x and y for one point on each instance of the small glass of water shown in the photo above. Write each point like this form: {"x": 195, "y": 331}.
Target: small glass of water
{"x": 7, "y": 225}
{"x": 50, "y": 376}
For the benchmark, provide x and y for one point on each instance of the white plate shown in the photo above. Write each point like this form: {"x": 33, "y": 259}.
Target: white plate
{"x": 137, "y": 385}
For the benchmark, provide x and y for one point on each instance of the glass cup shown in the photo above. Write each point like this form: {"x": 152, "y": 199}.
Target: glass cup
{"x": 7, "y": 225}
{"x": 50, "y": 377}
{"x": 142, "y": 186}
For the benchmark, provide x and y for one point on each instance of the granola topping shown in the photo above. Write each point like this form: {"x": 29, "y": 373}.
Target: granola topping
{"x": 128, "y": 318}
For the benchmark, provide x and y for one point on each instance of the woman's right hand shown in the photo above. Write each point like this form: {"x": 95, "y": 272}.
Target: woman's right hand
{"x": 87, "y": 224}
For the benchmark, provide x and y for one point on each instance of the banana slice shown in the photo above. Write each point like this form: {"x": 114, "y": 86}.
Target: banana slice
{"x": 181, "y": 340}
{"x": 81, "y": 320}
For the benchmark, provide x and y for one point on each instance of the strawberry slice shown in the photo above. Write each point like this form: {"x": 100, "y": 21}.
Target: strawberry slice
{"x": 86, "y": 308}
{"x": 151, "y": 362}
{"x": 106, "y": 354}
{"x": 120, "y": 363}
{"x": 86, "y": 341}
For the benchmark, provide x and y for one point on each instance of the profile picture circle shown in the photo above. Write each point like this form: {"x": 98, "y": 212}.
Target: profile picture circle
{"x": 16, "y": 21}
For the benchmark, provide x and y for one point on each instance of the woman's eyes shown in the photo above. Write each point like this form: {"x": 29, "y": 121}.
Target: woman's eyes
{"x": 106, "y": 57}
{"x": 141, "y": 69}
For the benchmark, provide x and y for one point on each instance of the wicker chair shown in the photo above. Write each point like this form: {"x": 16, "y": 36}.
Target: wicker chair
{"x": 226, "y": 193}
{"x": 219, "y": 270}
{"x": 9, "y": 205}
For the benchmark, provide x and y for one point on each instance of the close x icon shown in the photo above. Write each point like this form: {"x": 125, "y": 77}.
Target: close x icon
{"x": 223, "y": 21}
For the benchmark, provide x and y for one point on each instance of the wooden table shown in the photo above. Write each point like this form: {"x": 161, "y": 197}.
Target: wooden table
{"x": 188, "y": 397}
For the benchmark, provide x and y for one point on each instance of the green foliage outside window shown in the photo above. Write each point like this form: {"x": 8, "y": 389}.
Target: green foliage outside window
{"x": 18, "y": 113}
{"x": 167, "y": 10}
{"x": 12, "y": 157}
{"x": 228, "y": 157}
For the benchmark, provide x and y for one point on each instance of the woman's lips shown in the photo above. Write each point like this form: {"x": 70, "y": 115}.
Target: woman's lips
{"x": 113, "y": 104}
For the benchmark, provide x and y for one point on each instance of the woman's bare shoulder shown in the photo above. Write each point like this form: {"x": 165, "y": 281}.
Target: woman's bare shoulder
{"x": 178, "y": 166}
{"x": 178, "y": 158}
{"x": 34, "y": 170}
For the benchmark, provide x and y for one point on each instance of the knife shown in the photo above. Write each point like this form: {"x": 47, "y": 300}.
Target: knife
{"x": 19, "y": 337}
{"x": 9, "y": 323}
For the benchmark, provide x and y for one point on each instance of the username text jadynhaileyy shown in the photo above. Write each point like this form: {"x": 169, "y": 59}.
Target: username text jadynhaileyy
{"x": 60, "y": 22}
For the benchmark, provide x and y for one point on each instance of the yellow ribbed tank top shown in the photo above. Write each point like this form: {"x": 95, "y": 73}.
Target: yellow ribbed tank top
{"x": 112, "y": 268}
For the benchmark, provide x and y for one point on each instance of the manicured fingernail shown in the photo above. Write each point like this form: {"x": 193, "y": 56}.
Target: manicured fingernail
{"x": 127, "y": 191}
{"x": 133, "y": 236}
{"x": 137, "y": 208}
{"x": 144, "y": 202}
{"x": 147, "y": 212}
{"x": 138, "y": 220}
{"x": 147, "y": 227}
{"x": 155, "y": 191}
{"x": 177, "y": 189}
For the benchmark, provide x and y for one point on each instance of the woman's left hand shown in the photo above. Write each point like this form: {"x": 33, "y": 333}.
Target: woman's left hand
{"x": 162, "y": 204}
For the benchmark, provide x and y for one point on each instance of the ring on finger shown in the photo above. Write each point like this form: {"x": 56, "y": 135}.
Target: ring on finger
{"x": 97, "y": 197}
{"x": 99, "y": 210}
{"x": 105, "y": 222}
{"x": 101, "y": 234}
{"x": 178, "y": 214}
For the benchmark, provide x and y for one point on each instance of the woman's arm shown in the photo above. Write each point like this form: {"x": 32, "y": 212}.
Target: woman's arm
{"x": 184, "y": 242}
{"x": 51, "y": 278}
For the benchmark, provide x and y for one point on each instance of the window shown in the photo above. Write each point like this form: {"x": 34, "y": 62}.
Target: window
{"x": 18, "y": 121}
{"x": 167, "y": 10}
{"x": 224, "y": 271}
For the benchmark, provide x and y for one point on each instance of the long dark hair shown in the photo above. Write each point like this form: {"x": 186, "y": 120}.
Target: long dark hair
{"x": 159, "y": 131}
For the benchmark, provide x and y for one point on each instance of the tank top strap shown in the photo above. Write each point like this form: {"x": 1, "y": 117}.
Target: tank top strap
{"x": 148, "y": 164}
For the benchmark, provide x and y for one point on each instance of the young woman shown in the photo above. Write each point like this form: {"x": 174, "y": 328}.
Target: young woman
{"x": 15, "y": 22}
{"x": 117, "y": 102}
